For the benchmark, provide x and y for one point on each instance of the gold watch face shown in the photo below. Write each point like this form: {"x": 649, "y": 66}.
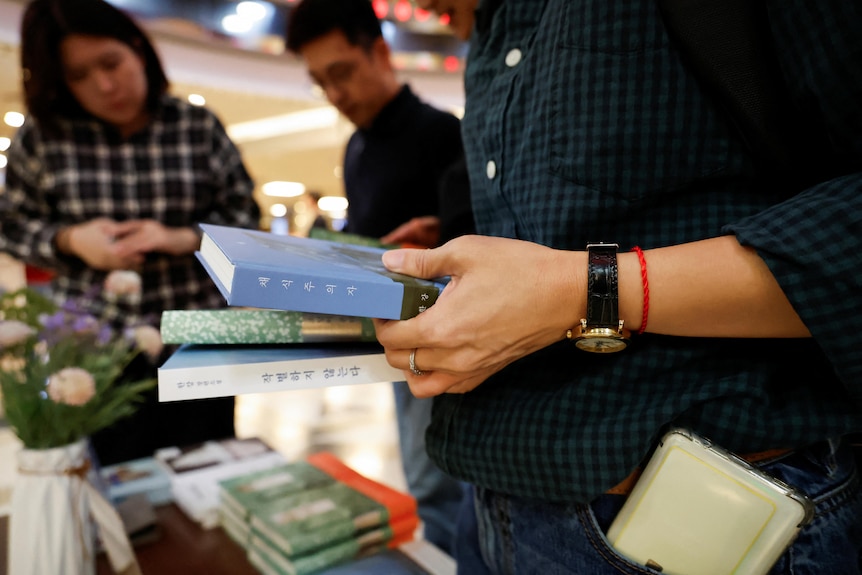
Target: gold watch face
{"x": 601, "y": 340}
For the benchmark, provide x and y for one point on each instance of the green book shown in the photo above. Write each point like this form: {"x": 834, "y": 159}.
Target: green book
{"x": 313, "y": 519}
{"x": 261, "y": 326}
{"x": 270, "y": 560}
{"x": 236, "y": 527}
{"x": 261, "y": 488}
{"x": 347, "y": 238}
{"x": 309, "y": 504}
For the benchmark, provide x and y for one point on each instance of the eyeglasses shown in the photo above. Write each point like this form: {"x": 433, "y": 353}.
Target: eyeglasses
{"x": 337, "y": 76}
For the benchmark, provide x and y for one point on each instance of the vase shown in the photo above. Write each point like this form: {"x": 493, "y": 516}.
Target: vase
{"x": 50, "y": 530}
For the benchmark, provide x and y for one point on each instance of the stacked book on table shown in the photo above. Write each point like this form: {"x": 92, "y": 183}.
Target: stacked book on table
{"x": 302, "y": 517}
{"x": 194, "y": 472}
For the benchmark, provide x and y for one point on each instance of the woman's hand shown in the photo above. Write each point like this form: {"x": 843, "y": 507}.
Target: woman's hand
{"x": 94, "y": 243}
{"x": 506, "y": 299}
{"x": 144, "y": 236}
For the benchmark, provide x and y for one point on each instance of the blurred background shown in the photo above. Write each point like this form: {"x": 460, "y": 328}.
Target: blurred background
{"x": 230, "y": 55}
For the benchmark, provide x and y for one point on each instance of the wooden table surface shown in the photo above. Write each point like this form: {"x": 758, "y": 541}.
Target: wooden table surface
{"x": 182, "y": 548}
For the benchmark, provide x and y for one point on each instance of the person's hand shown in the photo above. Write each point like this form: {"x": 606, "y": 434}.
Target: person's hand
{"x": 506, "y": 299}
{"x": 93, "y": 242}
{"x": 140, "y": 237}
{"x": 423, "y": 231}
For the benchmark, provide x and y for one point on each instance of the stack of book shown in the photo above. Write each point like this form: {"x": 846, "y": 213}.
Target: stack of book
{"x": 305, "y": 516}
{"x": 195, "y": 471}
{"x": 310, "y": 326}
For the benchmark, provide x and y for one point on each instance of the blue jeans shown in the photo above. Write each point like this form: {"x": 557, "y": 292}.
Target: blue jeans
{"x": 511, "y": 535}
{"x": 437, "y": 494}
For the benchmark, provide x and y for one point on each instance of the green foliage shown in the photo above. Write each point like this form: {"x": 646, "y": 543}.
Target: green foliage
{"x": 25, "y": 305}
{"x": 26, "y": 367}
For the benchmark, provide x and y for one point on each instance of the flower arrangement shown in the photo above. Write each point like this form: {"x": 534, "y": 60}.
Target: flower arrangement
{"x": 59, "y": 370}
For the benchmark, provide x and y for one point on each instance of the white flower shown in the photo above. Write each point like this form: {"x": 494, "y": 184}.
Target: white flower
{"x": 72, "y": 386}
{"x": 123, "y": 282}
{"x": 12, "y": 363}
{"x": 149, "y": 340}
{"x": 13, "y": 332}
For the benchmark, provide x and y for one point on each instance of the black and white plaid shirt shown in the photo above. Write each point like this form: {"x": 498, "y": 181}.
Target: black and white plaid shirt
{"x": 181, "y": 170}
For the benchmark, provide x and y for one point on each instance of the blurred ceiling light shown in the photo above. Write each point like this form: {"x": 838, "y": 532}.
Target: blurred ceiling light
{"x": 251, "y": 10}
{"x": 236, "y": 24}
{"x": 14, "y": 119}
{"x": 281, "y": 189}
{"x": 3, "y": 161}
{"x": 284, "y": 124}
{"x": 5, "y": 143}
{"x": 197, "y": 99}
{"x": 332, "y": 203}
{"x": 278, "y": 210}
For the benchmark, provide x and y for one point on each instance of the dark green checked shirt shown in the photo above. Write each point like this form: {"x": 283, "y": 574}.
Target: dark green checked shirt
{"x": 583, "y": 125}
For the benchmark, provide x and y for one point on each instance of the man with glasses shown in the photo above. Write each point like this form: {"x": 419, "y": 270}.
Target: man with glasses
{"x": 392, "y": 168}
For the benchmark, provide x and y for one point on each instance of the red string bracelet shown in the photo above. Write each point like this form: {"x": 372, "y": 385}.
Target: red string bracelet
{"x": 645, "y": 281}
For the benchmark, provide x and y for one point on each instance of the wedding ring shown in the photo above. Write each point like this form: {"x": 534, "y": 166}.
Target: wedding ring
{"x": 413, "y": 368}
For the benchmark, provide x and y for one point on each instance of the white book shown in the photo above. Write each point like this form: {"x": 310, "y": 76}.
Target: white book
{"x": 201, "y": 371}
{"x": 196, "y": 471}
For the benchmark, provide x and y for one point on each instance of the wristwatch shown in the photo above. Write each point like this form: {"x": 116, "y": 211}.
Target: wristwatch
{"x": 602, "y": 330}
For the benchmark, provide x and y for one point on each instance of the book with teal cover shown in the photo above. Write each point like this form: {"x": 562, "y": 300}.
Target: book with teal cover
{"x": 362, "y": 544}
{"x": 202, "y": 371}
{"x": 261, "y": 326}
{"x": 310, "y": 504}
{"x": 261, "y": 488}
{"x": 260, "y": 269}
{"x": 312, "y": 519}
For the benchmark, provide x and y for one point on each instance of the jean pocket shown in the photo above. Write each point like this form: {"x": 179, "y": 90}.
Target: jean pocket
{"x": 602, "y": 550}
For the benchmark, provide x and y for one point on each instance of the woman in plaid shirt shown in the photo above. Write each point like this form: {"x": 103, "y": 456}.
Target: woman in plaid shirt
{"x": 108, "y": 173}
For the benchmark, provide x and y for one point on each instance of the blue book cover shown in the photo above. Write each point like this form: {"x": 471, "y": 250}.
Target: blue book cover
{"x": 145, "y": 475}
{"x": 201, "y": 371}
{"x": 260, "y": 269}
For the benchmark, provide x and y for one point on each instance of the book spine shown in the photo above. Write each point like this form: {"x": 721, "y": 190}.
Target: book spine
{"x": 328, "y": 294}
{"x": 339, "y": 552}
{"x": 261, "y": 326}
{"x": 228, "y": 380}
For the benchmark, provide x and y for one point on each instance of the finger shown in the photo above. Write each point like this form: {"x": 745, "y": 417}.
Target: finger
{"x": 430, "y": 384}
{"x": 429, "y": 263}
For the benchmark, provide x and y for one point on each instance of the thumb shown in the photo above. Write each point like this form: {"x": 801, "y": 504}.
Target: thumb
{"x": 413, "y": 262}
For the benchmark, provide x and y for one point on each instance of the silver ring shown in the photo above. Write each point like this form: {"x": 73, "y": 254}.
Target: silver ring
{"x": 413, "y": 368}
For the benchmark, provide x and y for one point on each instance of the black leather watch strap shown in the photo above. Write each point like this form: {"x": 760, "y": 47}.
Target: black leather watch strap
{"x": 602, "y": 287}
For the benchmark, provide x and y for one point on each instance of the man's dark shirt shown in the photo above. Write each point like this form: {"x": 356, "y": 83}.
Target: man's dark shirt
{"x": 582, "y": 124}
{"x": 392, "y": 169}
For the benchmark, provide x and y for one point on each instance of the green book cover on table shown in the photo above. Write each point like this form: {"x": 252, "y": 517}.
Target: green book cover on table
{"x": 261, "y": 488}
{"x": 269, "y": 559}
{"x": 261, "y": 326}
{"x": 261, "y": 269}
{"x": 329, "y": 510}
{"x": 203, "y": 371}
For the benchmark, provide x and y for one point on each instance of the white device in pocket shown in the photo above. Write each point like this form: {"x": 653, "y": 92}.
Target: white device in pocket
{"x": 700, "y": 510}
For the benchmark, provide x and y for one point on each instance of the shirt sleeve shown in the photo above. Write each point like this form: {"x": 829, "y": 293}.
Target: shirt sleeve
{"x": 813, "y": 241}
{"x": 27, "y": 225}
{"x": 234, "y": 203}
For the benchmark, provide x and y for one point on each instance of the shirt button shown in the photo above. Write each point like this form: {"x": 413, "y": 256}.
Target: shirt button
{"x": 491, "y": 170}
{"x": 513, "y": 58}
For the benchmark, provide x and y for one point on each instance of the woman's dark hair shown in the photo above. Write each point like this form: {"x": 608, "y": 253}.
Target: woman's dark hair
{"x": 311, "y": 19}
{"x": 45, "y": 25}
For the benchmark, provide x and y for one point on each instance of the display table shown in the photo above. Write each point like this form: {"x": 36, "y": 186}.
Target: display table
{"x": 182, "y": 547}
